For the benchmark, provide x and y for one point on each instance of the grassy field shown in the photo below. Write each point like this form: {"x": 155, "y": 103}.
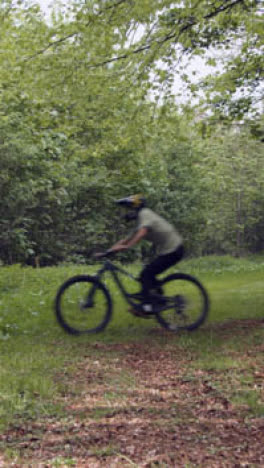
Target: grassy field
{"x": 134, "y": 395}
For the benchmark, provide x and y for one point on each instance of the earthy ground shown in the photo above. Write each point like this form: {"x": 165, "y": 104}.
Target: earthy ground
{"x": 139, "y": 405}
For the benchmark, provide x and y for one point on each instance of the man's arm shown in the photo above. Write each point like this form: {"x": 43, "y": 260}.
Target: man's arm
{"x": 124, "y": 244}
{"x": 119, "y": 243}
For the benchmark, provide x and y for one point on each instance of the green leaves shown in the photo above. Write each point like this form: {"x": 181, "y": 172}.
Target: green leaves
{"x": 234, "y": 180}
{"x": 79, "y": 127}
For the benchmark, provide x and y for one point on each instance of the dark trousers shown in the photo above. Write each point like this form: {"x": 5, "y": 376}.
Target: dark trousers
{"x": 160, "y": 264}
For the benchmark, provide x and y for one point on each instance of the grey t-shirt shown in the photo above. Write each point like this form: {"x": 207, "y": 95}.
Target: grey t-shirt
{"x": 161, "y": 233}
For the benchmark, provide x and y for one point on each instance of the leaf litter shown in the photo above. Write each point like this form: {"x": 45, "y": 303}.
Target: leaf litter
{"x": 145, "y": 405}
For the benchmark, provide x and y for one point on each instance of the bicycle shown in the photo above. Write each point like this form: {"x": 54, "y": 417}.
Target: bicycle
{"x": 83, "y": 303}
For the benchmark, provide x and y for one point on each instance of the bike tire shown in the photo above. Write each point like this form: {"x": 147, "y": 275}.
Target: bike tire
{"x": 69, "y": 293}
{"x": 183, "y": 285}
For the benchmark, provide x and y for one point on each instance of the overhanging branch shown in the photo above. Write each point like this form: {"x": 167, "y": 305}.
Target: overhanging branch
{"x": 173, "y": 35}
{"x": 225, "y": 6}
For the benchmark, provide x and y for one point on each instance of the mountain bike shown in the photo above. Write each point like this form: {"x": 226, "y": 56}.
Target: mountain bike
{"x": 84, "y": 304}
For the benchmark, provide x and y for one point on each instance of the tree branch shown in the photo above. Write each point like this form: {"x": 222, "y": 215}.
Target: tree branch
{"x": 168, "y": 37}
{"x": 110, "y": 7}
{"x": 226, "y": 5}
{"x": 50, "y": 45}
{"x": 63, "y": 39}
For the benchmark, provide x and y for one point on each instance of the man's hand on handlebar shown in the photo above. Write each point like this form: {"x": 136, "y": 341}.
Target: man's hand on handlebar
{"x": 104, "y": 254}
{"x": 99, "y": 254}
{"x": 118, "y": 248}
{"x": 108, "y": 252}
{"x": 124, "y": 244}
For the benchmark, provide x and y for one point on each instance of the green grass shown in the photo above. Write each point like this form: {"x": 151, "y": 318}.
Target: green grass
{"x": 38, "y": 357}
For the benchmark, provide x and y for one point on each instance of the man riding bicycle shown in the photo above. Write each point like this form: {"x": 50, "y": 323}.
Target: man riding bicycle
{"x": 83, "y": 302}
{"x": 156, "y": 229}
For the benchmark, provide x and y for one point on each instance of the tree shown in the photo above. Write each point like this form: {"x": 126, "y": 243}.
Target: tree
{"x": 146, "y": 42}
{"x": 233, "y": 178}
{"x": 76, "y": 132}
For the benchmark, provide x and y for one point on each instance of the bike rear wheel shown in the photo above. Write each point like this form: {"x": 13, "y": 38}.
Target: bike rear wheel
{"x": 83, "y": 305}
{"x": 186, "y": 303}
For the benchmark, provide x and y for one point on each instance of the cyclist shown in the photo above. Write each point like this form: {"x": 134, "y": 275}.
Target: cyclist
{"x": 161, "y": 233}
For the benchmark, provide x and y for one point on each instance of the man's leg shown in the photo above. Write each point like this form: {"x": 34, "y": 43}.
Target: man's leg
{"x": 160, "y": 264}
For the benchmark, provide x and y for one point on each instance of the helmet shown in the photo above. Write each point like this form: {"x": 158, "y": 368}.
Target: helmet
{"x": 135, "y": 202}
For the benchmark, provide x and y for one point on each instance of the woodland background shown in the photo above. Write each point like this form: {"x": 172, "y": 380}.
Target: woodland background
{"x": 89, "y": 113}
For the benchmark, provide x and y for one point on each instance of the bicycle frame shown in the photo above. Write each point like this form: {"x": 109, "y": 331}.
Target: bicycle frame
{"x": 159, "y": 302}
{"x": 113, "y": 269}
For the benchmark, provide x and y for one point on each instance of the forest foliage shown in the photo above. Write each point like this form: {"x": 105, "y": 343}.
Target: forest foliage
{"x": 88, "y": 114}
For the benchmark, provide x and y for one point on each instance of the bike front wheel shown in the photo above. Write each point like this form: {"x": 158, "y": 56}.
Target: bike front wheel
{"x": 186, "y": 303}
{"x": 83, "y": 305}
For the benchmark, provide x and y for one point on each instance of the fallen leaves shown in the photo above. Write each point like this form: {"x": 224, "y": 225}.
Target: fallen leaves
{"x": 146, "y": 406}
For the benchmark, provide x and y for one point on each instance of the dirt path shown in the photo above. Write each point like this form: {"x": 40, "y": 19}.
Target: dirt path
{"x": 133, "y": 405}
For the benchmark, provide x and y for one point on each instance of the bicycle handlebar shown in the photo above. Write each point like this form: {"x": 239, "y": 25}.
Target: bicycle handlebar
{"x": 104, "y": 254}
